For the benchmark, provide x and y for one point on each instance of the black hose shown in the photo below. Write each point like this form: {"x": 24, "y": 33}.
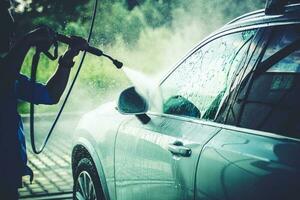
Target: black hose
{"x": 35, "y": 62}
{"x": 33, "y": 76}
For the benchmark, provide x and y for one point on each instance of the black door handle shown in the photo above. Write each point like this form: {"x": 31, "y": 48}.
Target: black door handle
{"x": 178, "y": 149}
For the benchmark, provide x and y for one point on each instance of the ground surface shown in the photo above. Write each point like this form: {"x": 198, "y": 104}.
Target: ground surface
{"x": 52, "y": 170}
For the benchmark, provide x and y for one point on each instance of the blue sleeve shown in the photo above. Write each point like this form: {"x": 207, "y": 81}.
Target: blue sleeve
{"x": 36, "y": 93}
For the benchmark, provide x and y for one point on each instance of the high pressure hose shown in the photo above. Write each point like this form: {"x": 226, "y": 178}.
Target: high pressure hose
{"x": 35, "y": 61}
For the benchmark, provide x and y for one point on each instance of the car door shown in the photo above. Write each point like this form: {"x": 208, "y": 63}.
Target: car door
{"x": 257, "y": 156}
{"x": 158, "y": 160}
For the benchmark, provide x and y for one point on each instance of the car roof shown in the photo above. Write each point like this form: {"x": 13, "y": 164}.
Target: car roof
{"x": 256, "y": 19}
{"x": 291, "y": 14}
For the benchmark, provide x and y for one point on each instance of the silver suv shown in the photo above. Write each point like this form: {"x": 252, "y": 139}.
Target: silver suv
{"x": 223, "y": 124}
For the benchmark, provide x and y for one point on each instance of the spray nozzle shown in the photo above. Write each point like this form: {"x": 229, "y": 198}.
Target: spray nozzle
{"x": 117, "y": 63}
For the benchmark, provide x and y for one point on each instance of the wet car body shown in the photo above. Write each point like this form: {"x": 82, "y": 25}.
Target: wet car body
{"x": 237, "y": 147}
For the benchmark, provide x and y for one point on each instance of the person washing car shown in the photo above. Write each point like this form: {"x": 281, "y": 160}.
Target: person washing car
{"x": 14, "y": 86}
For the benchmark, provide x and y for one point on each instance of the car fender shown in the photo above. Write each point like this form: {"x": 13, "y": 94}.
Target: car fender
{"x": 97, "y": 161}
{"x": 96, "y": 131}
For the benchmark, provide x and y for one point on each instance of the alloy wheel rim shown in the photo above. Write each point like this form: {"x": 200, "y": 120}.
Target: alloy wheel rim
{"x": 85, "y": 189}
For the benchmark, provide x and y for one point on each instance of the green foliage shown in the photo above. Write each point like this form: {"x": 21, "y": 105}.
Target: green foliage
{"x": 159, "y": 13}
{"x": 115, "y": 18}
{"x": 55, "y": 13}
{"x": 115, "y": 21}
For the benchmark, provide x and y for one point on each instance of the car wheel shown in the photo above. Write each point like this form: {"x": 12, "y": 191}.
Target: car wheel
{"x": 87, "y": 184}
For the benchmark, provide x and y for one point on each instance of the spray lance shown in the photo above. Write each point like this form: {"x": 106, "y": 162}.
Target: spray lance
{"x": 35, "y": 60}
{"x": 89, "y": 49}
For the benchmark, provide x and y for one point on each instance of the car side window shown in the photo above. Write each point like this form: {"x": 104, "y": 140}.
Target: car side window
{"x": 197, "y": 87}
{"x": 271, "y": 100}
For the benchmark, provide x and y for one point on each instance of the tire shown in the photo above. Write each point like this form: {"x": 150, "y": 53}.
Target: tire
{"x": 86, "y": 179}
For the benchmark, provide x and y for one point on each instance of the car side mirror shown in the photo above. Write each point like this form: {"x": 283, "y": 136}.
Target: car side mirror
{"x": 131, "y": 102}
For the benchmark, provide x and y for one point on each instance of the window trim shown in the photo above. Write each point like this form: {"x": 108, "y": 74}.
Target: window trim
{"x": 260, "y": 34}
{"x": 224, "y": 126}
{"x": 264, "y": 33}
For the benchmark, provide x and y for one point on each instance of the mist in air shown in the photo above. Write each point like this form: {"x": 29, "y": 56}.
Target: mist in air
{"x": 156, "y": 49}
{"x": 149, "y": 38}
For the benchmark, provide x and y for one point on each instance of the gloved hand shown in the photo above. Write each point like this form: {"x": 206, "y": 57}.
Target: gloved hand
{"x": 42, "y": 38}
{"x": 78, "y": 44}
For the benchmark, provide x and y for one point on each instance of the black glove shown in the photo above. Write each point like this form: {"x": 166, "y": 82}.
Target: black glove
{"x": 42, "y": 38}
{"x": 78, "y": 44}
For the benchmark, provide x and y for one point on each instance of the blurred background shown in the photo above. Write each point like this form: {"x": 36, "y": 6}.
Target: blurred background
{"x": 148, "y": 36}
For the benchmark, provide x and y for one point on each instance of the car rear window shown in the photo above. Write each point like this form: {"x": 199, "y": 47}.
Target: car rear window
{"x": 272, "y": 99}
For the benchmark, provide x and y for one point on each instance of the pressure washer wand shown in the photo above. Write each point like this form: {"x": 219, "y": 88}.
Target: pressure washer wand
{"x": 69, "y": 40}
{"x": 92, "y": 50}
